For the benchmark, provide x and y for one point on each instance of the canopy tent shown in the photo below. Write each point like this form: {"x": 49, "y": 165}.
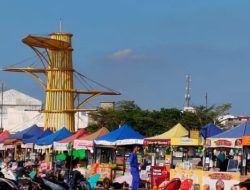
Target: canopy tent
{"x": 62, "y": 144}
{"x": 27, "y": 133}
{"x": 175, "y": 132}
{"x": 210, "y": 130}
{"x": 37, "y": 136}
{"x": 124, "y": 135}
{"x": 4, "y": 135}
{"x": 86, "y": 142}
{"x": 57, "y": 136}
{"x": 231, "y": 137}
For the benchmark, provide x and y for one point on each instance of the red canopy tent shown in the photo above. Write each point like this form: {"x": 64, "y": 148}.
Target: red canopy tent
{"x": 4, "y": 135}
{"x": 78, "y": 134}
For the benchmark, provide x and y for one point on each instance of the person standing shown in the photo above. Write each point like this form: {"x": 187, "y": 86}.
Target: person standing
{"x": 134, "y": 168}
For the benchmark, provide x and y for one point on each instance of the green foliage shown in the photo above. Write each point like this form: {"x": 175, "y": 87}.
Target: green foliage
{"x": 150, "y": 123}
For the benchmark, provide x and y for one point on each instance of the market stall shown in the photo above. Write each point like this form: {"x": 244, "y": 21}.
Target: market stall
{"x": 223, "y": 157}
{"x": 46, "y": 142}
{"x": 158, "y": 147}
{"x": 186, "y": 159}
{"x": 13, "y": 144}
{"x": 113, "y": 149}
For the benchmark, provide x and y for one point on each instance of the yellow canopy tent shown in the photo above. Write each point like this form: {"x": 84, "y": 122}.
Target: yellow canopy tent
{"x": 177, "y": 131}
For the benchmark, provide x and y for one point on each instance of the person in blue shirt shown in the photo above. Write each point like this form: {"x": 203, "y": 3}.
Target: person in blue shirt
{"x": 134, "y": 168}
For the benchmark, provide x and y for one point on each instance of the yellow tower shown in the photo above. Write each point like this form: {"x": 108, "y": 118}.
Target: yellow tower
{"x": 59, "y": 85}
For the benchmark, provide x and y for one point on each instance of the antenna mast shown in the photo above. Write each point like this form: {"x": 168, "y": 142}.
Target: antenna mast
{"x": 188, "y": 91}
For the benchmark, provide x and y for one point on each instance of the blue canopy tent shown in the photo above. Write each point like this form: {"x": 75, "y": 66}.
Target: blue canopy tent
{"x": 124, "y": 135}
{"x": 239, "y": 131}
{"x": 231, "y": 138}
{"x": 27, "y": 133}
{"x": 37, "y": 136}
{"x": 57, "y": 136}
{"x": 210, "y": 130}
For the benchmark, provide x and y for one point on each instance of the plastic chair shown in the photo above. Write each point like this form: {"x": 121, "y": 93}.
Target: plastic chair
{"x": 93, "y": 180}
{"x": 186, "y": 184}
{"x": 174, "y": 184}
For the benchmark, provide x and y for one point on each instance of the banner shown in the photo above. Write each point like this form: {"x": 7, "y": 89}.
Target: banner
{"x": 246, "y": 140}
{"x": 28, "y": 145}
{"x": 147, "y": 142}
{"x": 227, "y": 142}
{"x": 60, "y": 146}
{"x": 186, "y": 142}
{"x": 42, "y": 146}
{"x": 2, "y": 146}
{"x": 83, "y": 144}
{"x": 220, "y": 180}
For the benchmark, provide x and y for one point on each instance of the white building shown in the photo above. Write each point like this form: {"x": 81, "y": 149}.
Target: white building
{"x": 20, "y": 111}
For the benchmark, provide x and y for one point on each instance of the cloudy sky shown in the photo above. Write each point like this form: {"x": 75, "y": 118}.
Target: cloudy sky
{"x": 141, "y": 48}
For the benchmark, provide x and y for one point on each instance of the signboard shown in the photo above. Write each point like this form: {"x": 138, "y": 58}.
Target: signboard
{"x": 147, "y": 142}
{"x": 246, "y": 140}
{"x": 42, "y": 146}
{"x": 28, "y": 145}
{"x": 2, "y": 146}
{"x": 60, "y": 146}
{"x": 159, "y": 174}
{"x": 194, "y": 134}
{"x": 105, "y": 172}
{"x": 9, "y": 146}
{"x": 83, "y": 144}
{"x": 194, "y": 174}
{"x": 220, "y": 180}
{"x": 234, "y": 143}
{"x": 186, "y": 142}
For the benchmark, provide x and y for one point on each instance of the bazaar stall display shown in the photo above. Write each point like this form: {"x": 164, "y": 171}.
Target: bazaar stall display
{"x": 113, "y": 149}
{"x": 158, "y": 147}
{"x": 223, "y": 157}
{"x": 186, "y": 159}
{"x": 13, "y": 144}
{"x": 87, "y": 143}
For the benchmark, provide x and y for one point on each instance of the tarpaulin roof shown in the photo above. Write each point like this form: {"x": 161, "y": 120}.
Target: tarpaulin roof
{"x": 27, "y": 133}
{"x": 87, "y": 142}
{"x": 37, "y": 136}
{"x": 124, "y": 135}
{"x": 177, "y": 131}
{"x": 237, "y": 132}
{"x": 93, "y": 136}
{"x": 210, "y": 130}
{"x": 4, "y": 135}
{"x": 78, "y": 134}
{"x": 57, "y": 136}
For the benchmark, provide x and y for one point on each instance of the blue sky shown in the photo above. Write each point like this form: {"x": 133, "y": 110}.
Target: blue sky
{"x": 141, "y": 48}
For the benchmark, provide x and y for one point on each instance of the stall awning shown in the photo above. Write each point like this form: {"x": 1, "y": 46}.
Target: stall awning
{"x": 177, "y": 131}
{"x": 86, "y": 142}
{"x": 4, "y": 135}
{"x": 37, "y": 136}
{"x": 210, "y": 130}
{"x": 230, "y": 138}
{"x": 57, "y": 136}
{"x": 27, "y": 133}
{"x": 124, "y": 135}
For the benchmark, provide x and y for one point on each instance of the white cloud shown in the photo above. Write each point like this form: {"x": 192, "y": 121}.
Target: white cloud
{"x": 122, "y": 54}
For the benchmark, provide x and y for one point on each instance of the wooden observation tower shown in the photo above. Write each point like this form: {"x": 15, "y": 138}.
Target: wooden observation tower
{"x": 57, "y": 67}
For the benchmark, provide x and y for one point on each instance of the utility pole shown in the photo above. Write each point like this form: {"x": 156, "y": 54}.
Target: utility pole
{"x": 206, "y": 98}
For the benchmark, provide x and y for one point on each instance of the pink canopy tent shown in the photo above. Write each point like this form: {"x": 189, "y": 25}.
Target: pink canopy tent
{"x": 62, "y": 144}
